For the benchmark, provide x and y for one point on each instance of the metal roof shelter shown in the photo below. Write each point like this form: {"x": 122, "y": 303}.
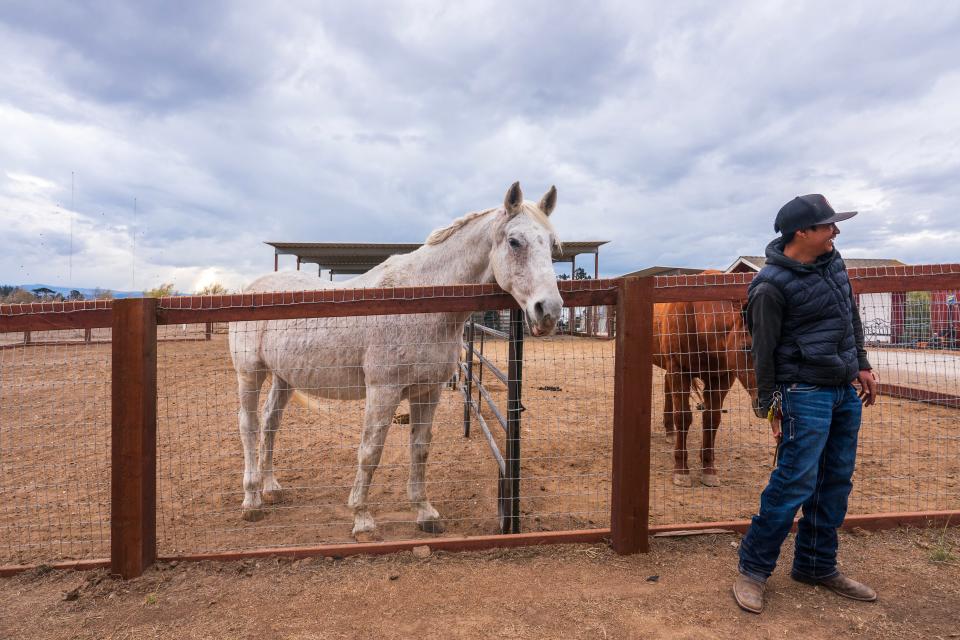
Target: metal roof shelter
{"x": 359, "y": 257}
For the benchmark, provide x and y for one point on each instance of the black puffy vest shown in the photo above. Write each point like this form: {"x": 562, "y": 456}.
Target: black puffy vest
{"x": 817, "y": 344}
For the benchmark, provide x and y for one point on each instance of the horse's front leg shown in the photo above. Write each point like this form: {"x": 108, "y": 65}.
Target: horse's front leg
{"x": 380, "y": 407}
{"x": 422, "y": 409}
{"x": 713, "y": 397}
{"x": 668, "y": 401}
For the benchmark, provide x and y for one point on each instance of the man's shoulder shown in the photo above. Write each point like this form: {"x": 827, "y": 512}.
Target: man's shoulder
{"x": 765, "y": 289}
{"x": 768, "y": 276}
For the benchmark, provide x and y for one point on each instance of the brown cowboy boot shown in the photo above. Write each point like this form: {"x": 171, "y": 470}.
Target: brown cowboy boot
{"x": 842, "y": 585}
{"x": 748, "y": 593}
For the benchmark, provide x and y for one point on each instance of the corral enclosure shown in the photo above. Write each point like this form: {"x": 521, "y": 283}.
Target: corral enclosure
{"x": 55, "y": 439}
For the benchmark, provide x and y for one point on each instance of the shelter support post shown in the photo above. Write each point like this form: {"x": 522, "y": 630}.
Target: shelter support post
{"x": 572, "y": 312}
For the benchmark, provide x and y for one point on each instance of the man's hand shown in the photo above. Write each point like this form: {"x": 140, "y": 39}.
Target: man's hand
{"x": 869, "y": 387}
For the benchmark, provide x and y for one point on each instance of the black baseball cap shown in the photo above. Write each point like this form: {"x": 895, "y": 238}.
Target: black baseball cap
{"x": 805, "y": 211}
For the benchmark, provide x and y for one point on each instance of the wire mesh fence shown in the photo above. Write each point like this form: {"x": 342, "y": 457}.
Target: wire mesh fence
{"x": 909, "y": 444}
{"x": 567, "y": 420}
{"x": 55, "y": 436}
{"x": 54, "y": 451}
{"x": 566, "y": 425}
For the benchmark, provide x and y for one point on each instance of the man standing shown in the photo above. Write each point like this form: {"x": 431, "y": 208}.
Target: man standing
{"x": 807, "y": 350}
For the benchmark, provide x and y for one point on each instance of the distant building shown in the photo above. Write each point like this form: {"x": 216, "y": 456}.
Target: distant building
{"x": 662, "y": 271}
{"x": 883, "y": 314}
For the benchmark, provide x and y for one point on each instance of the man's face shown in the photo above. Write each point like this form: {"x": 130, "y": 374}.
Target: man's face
{"x": 818, "y": 239}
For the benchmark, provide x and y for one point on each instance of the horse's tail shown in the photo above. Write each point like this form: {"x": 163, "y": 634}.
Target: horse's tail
{"x": 696, "y": 388}
{"x": 307, "y": 402}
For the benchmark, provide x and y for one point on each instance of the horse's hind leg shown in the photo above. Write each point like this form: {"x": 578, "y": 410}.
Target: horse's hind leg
{"x": 422, "y": 409}
{"x": 249, "y": 383}
{"x": 681, "y": 422}
{"x": 277, "y": 400}
{"x": 381, "y": 404}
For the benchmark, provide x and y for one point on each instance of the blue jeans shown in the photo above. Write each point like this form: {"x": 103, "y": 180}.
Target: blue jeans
{"x": 817, "y": 455}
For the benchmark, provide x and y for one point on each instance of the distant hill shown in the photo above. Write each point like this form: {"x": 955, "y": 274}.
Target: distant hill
{"x": 87, "y": 293}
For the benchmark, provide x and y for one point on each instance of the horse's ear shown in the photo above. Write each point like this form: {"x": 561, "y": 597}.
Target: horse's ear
{"x": 514, "y": 199}
{"x": 549, "y": 201}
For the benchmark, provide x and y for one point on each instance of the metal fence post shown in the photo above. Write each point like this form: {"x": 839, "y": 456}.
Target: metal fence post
{"x": 133, "y": 487}
{"x": 633, "y": 388}
{"x": 514, "y": 408}
{"x": 468, "y": 382}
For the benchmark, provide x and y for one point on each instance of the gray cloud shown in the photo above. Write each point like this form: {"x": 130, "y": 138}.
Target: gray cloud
{"x": 674, "y": 132}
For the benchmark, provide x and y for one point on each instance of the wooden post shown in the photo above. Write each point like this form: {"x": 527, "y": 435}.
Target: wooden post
{"x": 133, "y": 495}
{"x": 276, "y": 261}
{"x": 633, "y": 388}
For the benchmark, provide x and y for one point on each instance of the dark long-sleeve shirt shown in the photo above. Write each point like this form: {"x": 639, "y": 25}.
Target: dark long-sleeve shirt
{"x": 765, "y": 318}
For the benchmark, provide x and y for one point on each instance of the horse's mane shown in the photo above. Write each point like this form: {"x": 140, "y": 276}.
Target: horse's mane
{"x": 439, "y": 235}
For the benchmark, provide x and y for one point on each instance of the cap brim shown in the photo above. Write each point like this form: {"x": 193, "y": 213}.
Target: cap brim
{"x": 839, "y": 217}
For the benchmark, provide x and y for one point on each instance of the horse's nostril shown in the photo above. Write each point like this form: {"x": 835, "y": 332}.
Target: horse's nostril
{"x": 538, "y": 309}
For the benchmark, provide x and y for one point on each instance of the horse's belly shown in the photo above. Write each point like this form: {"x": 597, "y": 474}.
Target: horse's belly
{"x": 339, "y": 357}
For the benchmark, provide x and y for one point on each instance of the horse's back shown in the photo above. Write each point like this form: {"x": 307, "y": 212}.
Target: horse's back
{"x": 246, "y": 337}
{"x": 693, "y": 336}
{"x": 336, "y": 357}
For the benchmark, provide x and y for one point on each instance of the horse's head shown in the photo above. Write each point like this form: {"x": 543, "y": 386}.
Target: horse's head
{"x": 522, "y": 257}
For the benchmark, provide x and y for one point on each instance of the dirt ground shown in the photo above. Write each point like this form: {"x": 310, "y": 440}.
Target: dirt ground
{"x": 55, "y": 473}
{"x": 679, "y": 590}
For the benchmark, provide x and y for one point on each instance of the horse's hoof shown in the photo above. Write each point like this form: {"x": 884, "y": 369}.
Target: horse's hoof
{"x": 710, "y": 479}
{"x": 682, "y": 480}
{"x": 366, "y": 536}
{"x": 273, "y": 497}
{"x": 431, "y": 526}
{"x": 253, "y": 515}
{"x": 669, "y": 436}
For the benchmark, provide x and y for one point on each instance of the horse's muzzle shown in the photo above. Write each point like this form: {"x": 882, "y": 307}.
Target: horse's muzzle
{"x": 543, "y": 318}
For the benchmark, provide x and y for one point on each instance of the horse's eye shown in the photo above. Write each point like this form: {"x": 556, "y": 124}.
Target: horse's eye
{"x": 514, "y": 243}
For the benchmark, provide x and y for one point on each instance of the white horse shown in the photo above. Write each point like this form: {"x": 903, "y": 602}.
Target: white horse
{"x": 388, "y": 358}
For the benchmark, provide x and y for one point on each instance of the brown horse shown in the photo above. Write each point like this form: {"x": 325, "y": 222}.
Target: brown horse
{"x": 705, "y": 341}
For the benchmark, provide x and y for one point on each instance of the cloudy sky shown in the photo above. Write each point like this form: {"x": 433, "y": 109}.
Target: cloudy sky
{"x": 674, "y": 130}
